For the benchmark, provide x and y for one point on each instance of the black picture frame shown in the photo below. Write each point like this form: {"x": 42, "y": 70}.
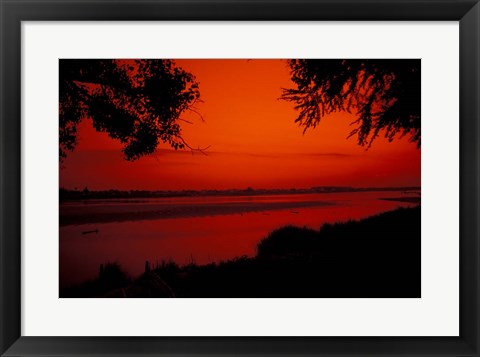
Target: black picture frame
{"x": 13, "y": 12}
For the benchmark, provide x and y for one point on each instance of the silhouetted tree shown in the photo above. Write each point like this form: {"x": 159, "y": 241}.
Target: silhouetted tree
{"x": 138, "y": 102}
{"x": 383, "y": 94}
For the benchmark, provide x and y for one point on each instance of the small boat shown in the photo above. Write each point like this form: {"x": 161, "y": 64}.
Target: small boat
{"x": 89, "y": 232}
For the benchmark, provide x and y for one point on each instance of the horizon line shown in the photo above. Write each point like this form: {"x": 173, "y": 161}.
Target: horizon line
{"x": 248, "y": 188}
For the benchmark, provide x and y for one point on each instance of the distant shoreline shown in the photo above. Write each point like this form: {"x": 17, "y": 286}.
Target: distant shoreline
{"x": 108, "y": 210}
{"x": 120, "y": 213}
{"x": 86, "y": 194}
{"x": 402, "y": 199}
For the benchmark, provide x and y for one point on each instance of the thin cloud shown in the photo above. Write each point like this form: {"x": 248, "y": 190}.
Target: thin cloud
{"x": 167, "y": 152}
{"x": 282, "y": 154}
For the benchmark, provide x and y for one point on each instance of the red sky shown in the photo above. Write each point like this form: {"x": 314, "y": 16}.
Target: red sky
{"x": 253, "y": 140}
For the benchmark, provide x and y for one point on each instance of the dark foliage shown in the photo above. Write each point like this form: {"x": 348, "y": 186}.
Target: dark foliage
{"x": 376, "y": 257}
{"x": 385, "y": 95}
{"x": 138, "y": 102}
{"x": 279, "y": 242}
{"x": 111, "y": 276}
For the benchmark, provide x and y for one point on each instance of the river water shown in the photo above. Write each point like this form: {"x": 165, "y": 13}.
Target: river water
{"x": 193, "y": 229}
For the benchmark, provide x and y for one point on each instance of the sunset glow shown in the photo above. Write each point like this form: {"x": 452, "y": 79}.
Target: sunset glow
{"x": 252, "y": 141}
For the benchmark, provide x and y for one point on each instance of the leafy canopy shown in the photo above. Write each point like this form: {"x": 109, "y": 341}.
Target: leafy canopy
{"x": 383, "y": 94}
{"x": 138, "y": 102}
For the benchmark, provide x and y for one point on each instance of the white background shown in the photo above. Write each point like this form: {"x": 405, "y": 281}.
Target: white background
{"x": 435, "y": 314}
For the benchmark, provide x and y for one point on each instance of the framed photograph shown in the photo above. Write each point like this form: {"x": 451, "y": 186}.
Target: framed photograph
{"x": 246, "y": 178}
